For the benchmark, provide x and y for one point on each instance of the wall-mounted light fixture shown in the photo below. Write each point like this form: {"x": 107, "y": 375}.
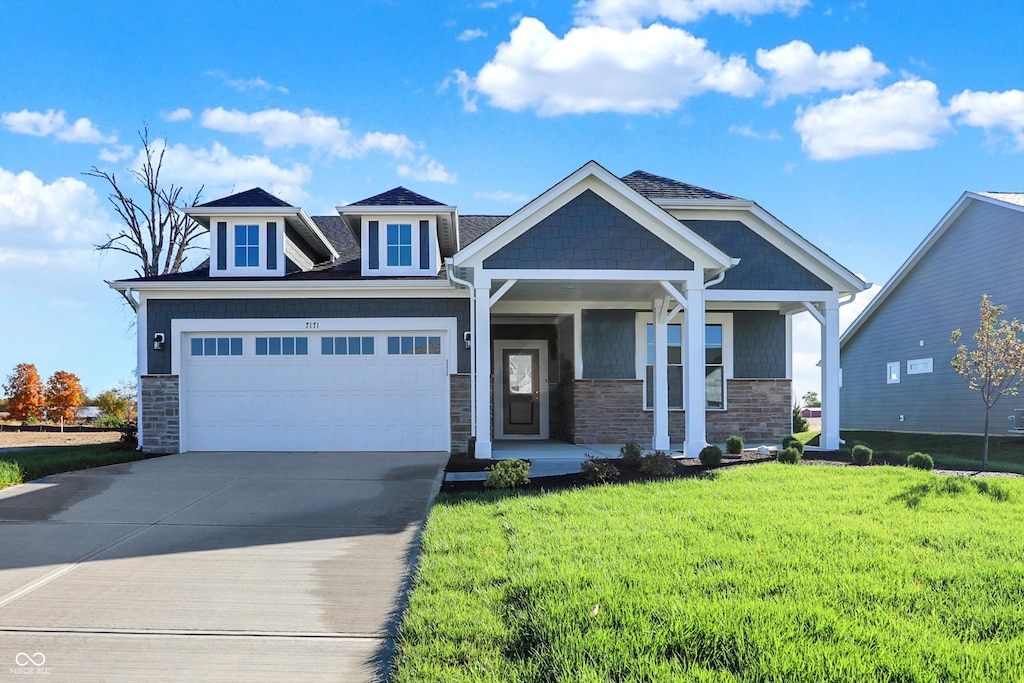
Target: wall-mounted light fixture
{"x": 158, "y": 341}
{"x": 467, "y": 338}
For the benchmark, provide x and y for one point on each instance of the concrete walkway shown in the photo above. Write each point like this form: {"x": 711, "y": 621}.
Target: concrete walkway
{"x": 212, "y": 566}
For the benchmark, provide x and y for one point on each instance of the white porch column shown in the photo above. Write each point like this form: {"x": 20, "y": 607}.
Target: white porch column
{"x": 694, "y": 399}
{"x": 660, "y": 441}
{"x": 830, "y": 377}
{"x": 482, "y": 354}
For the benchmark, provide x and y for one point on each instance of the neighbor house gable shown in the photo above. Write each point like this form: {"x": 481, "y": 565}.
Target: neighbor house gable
{"x": 592, "y": 189}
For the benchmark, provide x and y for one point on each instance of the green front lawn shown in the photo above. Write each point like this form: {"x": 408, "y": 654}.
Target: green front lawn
{"x": 17, "y": 467}
{"x": 1005, "y": 454}
{"x": 761, "y": 573}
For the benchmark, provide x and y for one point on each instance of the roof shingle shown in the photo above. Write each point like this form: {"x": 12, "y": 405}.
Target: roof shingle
{"x": 398, "y": 196}
{"x": 257, "y": 196}
{"x": 656, "y": 187}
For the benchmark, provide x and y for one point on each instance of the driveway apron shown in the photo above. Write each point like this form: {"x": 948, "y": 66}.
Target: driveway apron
{"x": 212, "y": 566}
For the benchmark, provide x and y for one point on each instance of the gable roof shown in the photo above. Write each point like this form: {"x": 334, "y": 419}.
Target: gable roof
{"x": 656, "y": 187}
{"x": 995, "y": 198}
{"x": 257, "y": 196}
{"x": 592, "y": 175}
{"x": 399, "y": 196}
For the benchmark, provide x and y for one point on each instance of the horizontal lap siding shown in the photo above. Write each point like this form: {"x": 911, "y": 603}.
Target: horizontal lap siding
{"x": 981, "y": 252}
{"x": 160, "y": 312}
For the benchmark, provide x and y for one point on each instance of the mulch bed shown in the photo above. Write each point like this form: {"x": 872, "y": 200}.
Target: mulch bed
{"x": 690, "y": 467}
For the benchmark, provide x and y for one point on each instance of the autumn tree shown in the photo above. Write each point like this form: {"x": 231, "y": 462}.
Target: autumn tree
{"x": 155, "y": 230}
{"x": 995, "y": 367}
{"x": 63, "y": 396}
{"x": 24, "y": 392}
{"x": 115, "y": 402}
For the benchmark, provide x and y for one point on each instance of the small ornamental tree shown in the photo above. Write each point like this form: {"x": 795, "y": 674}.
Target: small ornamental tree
{"x": 24, "y": 392}
{"x": 995, "y": 367}
{"x": 63, "y": 396}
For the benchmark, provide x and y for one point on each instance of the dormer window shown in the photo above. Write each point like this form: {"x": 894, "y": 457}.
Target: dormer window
{"x": 400, "y": 245}
{"x": 247, "y": 246}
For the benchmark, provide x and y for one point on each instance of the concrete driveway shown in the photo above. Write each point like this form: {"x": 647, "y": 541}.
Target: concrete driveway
{"x": 212, "y": 566}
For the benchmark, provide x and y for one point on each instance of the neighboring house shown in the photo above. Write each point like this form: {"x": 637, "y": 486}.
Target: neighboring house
{"x": 400, "y": 325}
{"x": 87, "y": 413}
{"x": 811, "y": 412}
{"x": 897, "y": 374}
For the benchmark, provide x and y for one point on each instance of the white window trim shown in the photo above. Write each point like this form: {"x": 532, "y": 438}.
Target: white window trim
{"x": 383, "y": 268}
{"x": 233, "y": 270}
{"x": 892, "y": 373}
{"x": 723, "y": 319}
{"x": 928, "y": 364}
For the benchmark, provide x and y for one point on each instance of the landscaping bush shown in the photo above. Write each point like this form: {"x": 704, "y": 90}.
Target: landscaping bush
{"x": 711, "y": 456}
{"x": 861, "y": 454}
{"x": 659, "y": 464}
{"x": 789, "y": 456}
{"x": 598, "y": 470}
{"x": 108, "y": 420}
{"x": 734, "y": 445}
{"x": 508, "y": 474}
{"x": 799, "y": 422}
{"x": 788, "y": 441}
{"x": 631, "y": 453}
{"x": 850, "y": 445}
{"x": 130, "y": 435}
{"x": 11, "y": 474}
{"x": 921, "y": 461}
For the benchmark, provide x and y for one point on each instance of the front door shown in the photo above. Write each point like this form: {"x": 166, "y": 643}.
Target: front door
{"x": 521, "y": 389}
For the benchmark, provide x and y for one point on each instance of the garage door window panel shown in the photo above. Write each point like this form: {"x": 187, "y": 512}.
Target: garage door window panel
{"x": 216, "y": 346}
{"x": 414, "y": 346}
{"x": 346, "y": 346}
{"x": 282, "y": 346}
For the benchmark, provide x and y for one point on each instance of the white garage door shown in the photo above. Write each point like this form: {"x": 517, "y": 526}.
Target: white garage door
{"x": 328, "y": 391}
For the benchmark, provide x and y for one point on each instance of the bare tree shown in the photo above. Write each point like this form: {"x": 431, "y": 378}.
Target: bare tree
{"x": 156, "y": 231}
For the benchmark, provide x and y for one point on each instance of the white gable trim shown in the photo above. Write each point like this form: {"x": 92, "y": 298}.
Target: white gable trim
{"x": 592, "y": 176}
{"x": 294, "y": 216}
{"x": 951, "y": 216}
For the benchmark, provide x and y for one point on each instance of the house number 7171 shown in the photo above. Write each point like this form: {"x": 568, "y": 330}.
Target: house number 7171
{"x": 312, "y": 326}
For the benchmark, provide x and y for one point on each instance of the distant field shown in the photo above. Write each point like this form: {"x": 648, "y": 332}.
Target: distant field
{"x": 761, "y": 573}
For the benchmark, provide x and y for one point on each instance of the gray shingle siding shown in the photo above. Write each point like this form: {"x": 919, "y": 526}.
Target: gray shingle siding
{"x": 609, "y": 344}
{"x": 759, "y": 345}
{"x": 589, "y": 233}
{"x": 981, "y": 252}
{"x": 762, "y": 264}
{"x": 160, "y": 312}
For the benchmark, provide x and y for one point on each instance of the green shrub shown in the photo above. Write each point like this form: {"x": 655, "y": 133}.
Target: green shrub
{"x": 711, "y": 456}
{"x": 508, "y": 474}
{"x": 598, "y": 470}
{"x": 789, "y": 456}
{"x": 921, "y": 461}
{"x": 850, "y": 445}
{"x": 861, "y": 454}
{"x": 631, "y": 453}
{"x": 11, "y": 474}
{"x": 108, "y": 420}
{"x": 799, "y": 422}
{"x": 658, "y": 464}
{"x": 30, "y": 420}
{"x": 734, "y": 445}
{"x": 788, "y": 441}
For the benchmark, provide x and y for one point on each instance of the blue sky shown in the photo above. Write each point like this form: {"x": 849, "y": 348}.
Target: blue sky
{"x": 858, "y": 124}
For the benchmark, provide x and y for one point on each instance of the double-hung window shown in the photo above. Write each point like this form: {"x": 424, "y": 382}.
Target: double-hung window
{"x": 247, "y": 246}
{"x": 714, "y": 366}
{"x": 399, "y": 244}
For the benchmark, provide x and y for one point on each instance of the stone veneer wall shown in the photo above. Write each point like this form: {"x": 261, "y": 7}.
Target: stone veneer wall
{"x": 160, "y": 417}
{"x": 462, "y": 412}
{"x": 611, "y": 411}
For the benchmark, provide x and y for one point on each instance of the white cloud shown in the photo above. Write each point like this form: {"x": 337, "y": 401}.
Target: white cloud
{"x": 632, "y": 13}
{"x": 428, "y": 170}
{"x": 905, "y": 116}
{"x": 220, "y": 171}
{"x": 117, "y": 153}
{"x": 282, "y": 128}
{"x": 748, "y": 132}
{"x": 51, "y": 122}
{"x": 991, "y": 110}
{"x": 179, "y": 114}
{"x": 797, "y": 70}
{"x": 461, "y": 80}
{"x": 601, "y": 69}
{"x": 502, "y": 196}
{"x": 472, "y": 34}
{"x": 246, "y": 84}
{"x": 65, "y": 213}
